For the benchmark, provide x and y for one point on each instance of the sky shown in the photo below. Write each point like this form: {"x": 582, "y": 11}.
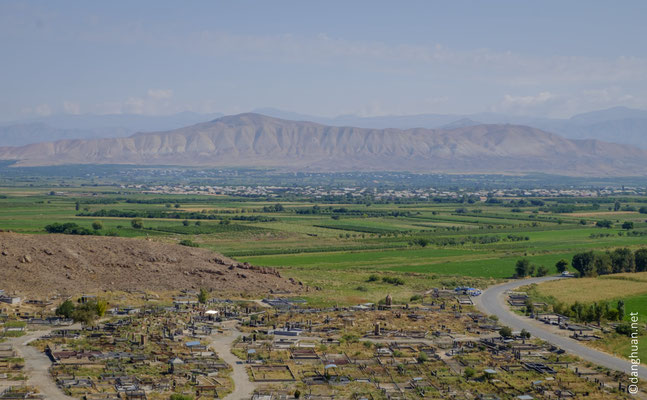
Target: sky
{"x": 328, "y": 58}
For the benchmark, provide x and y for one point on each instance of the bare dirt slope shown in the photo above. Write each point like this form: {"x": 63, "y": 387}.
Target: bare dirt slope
{"x": 43, "y": 265}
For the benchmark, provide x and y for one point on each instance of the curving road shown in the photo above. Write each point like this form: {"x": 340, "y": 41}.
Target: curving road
{"x": 493, "y": 302}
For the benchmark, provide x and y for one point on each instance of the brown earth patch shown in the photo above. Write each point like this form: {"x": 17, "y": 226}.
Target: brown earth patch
{"x": 44, "y": 265}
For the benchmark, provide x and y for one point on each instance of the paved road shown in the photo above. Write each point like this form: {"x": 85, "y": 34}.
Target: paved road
{"x": 222, "y": 344}
{"x": 37, "y": 366}
{"x": 493, "y": 302}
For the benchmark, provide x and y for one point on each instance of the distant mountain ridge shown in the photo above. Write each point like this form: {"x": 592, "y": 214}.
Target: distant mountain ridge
{"x": 261, "y": 141}
{"x": 618, "y": 124}
{"x": 66, "y": 126}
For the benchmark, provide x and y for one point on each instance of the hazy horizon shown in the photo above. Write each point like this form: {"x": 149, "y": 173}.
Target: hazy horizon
{"x": 549, "y": 59}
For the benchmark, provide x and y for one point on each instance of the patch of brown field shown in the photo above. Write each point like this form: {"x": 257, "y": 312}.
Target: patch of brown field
{"x": 44, "y": 265}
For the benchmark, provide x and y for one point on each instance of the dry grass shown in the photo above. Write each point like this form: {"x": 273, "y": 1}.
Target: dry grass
{"x": 595, "y": 289}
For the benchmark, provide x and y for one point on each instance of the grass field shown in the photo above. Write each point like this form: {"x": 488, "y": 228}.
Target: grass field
{"x": 478, "y": 241}
{"x": 608, "y": 287}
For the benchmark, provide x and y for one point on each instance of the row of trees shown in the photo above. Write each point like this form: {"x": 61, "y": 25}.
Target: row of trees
{"x": 593, "y": 312}
{"x": 610, "y": 262}
{"x": 70, "y": 228}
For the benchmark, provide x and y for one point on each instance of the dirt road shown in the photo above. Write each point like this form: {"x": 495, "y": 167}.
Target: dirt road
{"x": 37, "y": 366}
{"x": 221, "y": 344}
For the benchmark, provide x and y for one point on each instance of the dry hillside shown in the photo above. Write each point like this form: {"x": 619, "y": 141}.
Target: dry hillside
{"x": 43, "y": 265}
{"x": 256, "y": 140}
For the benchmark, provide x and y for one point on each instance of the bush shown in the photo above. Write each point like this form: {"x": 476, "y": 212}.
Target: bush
{"x": 605, "y": 223}
{"x": 373, "y": 278}
{"x": 505, "y": 332}
{"x": 177, "y": 396}
{"x": 628, "y": 225}
{"x": 393, "y": 280}
{"x": 188, "y": 243}
{"x": 137, "y": 223}
{"x": 97, "y": 225}
{"x": 542, "y": 271}
{"x": 624, "y": 329}
{"x": 65, "y": 309}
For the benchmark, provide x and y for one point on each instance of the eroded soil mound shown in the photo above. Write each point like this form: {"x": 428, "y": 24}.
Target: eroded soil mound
{"x": 44, "y": 265}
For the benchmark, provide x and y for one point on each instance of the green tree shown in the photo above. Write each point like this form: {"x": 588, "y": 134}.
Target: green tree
{"x": 101, "y": 308}
{"x": 137, "y": 223}
{"x": 541, "y": 271}
{"x": 185, "y": 222}
{"x": 622, "y": 260}
{"x": 65, "y": 309}
{"x": 84, "y": 316}
{"x": 522, "y": 268}
{"x": 203, "y": 296}
{"x": 616, "y": 206}
{"x": 583, "y": 263}
{"x": 77, "y": 205}
{"x": 602, "y": 264}
{"x": 561, "y": 265}
{"x": 621, "y": 310}
{"x": 640, "y": 260}
{"x": 627, "y": 225}
{"x": 530, "y": 307}
{"x": 469, "y": 372}
{"x": 97, "y": 225}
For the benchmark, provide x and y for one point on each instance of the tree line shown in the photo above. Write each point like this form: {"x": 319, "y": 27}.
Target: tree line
{"x": 589, "y": 264}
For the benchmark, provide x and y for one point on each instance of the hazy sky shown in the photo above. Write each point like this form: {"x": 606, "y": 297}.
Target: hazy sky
{"x": 544, "y": 58}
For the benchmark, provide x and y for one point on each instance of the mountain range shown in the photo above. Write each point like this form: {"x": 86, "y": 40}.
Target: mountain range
{"x": 619, "y": 125}
{"x": 257, "y": 140}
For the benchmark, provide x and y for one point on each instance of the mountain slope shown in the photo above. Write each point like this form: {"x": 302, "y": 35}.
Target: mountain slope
{"x": 257, "y": 140}
{"x": 618, "y": 124}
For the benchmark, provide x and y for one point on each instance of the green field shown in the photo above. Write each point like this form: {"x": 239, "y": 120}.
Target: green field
{"x": 445, "y": 240}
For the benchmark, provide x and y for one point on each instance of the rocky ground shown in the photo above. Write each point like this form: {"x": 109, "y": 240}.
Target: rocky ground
{"x": 45, "y": 265}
